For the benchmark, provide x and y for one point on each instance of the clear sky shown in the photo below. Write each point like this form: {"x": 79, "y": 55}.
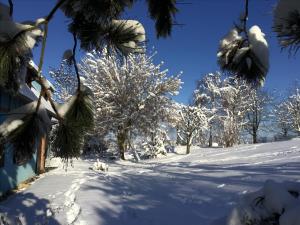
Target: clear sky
{"x": 192, "y": 47}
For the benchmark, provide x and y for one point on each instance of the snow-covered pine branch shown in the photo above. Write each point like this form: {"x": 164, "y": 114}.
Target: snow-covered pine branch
{"x": 245, "y": 53}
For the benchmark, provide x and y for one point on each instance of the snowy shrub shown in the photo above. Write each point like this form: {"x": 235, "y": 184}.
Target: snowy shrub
{"x": 152, "y": 149}
{"x": 274, "y": 204}
{"x": 100, "y": 166}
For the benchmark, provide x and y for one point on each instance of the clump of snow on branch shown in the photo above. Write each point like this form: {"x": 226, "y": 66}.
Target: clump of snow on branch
{"x": 245, "y": 53}
{"x": 8, "y": 28}
{"x": 275, "y": 203}
{"x": 138, "y": 30}
{"x": 259, "y": 46}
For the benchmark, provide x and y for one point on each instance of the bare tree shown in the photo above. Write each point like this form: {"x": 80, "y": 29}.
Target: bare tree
{"x": 258, "y": 112}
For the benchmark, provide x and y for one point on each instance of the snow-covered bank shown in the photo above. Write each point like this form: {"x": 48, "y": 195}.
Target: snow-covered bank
{"x": 180, "y": 189}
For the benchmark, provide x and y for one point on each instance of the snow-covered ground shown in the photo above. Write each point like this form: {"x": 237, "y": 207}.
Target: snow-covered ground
{"x": 180, "y": 189}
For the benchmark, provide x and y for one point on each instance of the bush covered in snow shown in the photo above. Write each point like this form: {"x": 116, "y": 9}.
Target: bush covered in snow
{"x": 274, "y": 204}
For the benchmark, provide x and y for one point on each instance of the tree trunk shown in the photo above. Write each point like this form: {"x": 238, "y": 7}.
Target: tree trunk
{"x": 188, "y": 144}
{"x": 210, "y": 138}
{"x": 121, "y": 139}
{"x": 188, "y": 149}
{"x": 254, "y": 137}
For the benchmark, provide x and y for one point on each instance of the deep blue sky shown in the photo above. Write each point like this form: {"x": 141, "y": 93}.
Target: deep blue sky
{"x": 192, "y": 47}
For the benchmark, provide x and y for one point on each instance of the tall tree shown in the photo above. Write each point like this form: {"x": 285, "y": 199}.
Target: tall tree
{"x": 207, "y": 97}
{"x": 130, "y": 93}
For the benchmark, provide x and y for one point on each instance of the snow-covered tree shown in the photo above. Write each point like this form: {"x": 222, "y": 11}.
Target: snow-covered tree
{"x": 193, "y": 120}
{"x": 283, "y": 118}
{"x": 259, "y": 111}
{"x": 130, "y": 93}
{"x": 235, "y": 105}
{"x": 207, "y": 97}
{"x": 293, "y": 107}
{"x": 65, "y": 81}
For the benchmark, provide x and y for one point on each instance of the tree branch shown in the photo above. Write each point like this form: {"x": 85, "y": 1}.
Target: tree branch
{"x": 74, "y": 61}
{"x": 245, "y": 18}
{"x": 11, "y": 8}
{"x": 47, "y": 20}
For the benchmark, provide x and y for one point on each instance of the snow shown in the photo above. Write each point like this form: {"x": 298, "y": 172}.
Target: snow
{"x": 229, "y": 42}
{"x": 33, "y": 94}
{"x": 259, "y": 46}
{"x": 8, "y": 28}
{"x": 177, "y": 189}
{"x": 15, "y": 118}
{"x": 273, "y": 199}
{"x": 139, "y": 32}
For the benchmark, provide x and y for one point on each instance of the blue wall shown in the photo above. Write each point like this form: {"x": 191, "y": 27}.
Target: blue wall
{"x": 11, "y": 174}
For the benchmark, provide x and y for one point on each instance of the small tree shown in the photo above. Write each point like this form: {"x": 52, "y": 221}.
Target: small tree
{"x": 293, "y": 107}
{"x": 235, "y": 105}
{"x": 207, "y": 97}
{"x": 258, "y": 113}
{"x": 283, "y": 118}
{"x": 193, "y": 120}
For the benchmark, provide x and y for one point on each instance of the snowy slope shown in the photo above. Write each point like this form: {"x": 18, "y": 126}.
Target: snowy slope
{"x": 177, "y": 190}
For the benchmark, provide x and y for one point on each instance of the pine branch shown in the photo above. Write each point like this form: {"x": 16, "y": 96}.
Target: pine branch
{"x": 11, "y": 8}
{"x": 43, "y": 89}
{"x": 47, "y": 20}
{"x": 245, "y": 18}
{"x": 74, "y": 61}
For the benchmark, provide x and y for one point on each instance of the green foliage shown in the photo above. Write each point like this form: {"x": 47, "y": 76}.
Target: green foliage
{"x": 91, "y": 20}
{"x": 78, "y": 120}
{"x": 112, "y": 35}
{"x": 252, "y": 74}
{"x": 12, "y": 58}
{"x": 163, "y": 13}
{"x": 288, "y": 33}
{"x": 68, "y": 141}
{"x": 24, "y": 139}
{"x": 81, "y": 113}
